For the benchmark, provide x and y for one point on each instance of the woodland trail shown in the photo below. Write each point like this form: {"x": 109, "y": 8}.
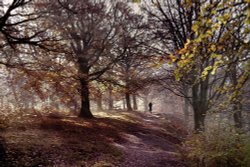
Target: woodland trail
{"x": 112, "y": 139}
{"x": 150, "y": 145}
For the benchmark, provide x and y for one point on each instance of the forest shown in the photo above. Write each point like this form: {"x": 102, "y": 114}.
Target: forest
{"x": 124, "y": 83}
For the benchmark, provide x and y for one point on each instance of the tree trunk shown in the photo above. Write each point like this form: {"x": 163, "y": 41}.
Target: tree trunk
{"x": 237, "y": 106}
{"x": 145, "y": 101}
{"x": 248, "y": 118}
{"x": 199, "y": 120}
{"x": 99, "y": 103}
{"x": 99, "y": 100}
{"x": 85, "y": 108}
{"x": 124, "y": 104}
{"x": 1, "y": 101}
{"x": 110, "y": 99}
{"x": 200, "y": 104}
{"x": 128, "y": 101}
{"x": 135, "y": 102}
{"x": 84, "y": 83}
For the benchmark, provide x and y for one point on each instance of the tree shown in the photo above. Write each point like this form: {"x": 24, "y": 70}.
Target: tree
{"x": 23, "y": 16}
{"x": 18, "y": 30}
{"x": 91, "y": 29}
{"x": 177, "y": 25}
{"x": 218, "y": 36}
{"x": 170, "y": 23}
{"x": 136, "y": 58}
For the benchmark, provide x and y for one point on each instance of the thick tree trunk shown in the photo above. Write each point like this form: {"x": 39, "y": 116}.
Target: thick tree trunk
{"x": 199, "y": 120}
{"x": 237, "y": 106}
{"x": 84, "y": 81}
{"x": 128, "y": 101}
{"x": 135, "y": 102}
{"x": 85, "y": 108}
{"x": 200, "y": 104}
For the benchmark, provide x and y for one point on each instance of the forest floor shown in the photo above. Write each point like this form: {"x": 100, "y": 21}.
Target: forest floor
{"x": 112, "y": 139}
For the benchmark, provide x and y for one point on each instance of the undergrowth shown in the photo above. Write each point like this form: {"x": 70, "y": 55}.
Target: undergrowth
{"x": 217, "y": 148}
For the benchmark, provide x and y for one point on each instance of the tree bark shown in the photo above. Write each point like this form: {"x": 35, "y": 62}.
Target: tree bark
{"x": 199, "y": 120}
{"x": 99, "y": 103}
{"x": 135, "y": 106}
{"x": 84, "y": 83}
{"x": 145, "y": 101}
{"x": 237, "y": 106}
{"x": 248, "y": 118}
{"x": 110, "y": 99}
{"x": 237, "y": 117}
{"x": 85, "y": 108}
{"x": 124, "y": 104}
{"x": 128, "y": 101}
{"x": 2, "y": 104}
{"x": 99, "y": 100}
{"x": 200, "y": 104}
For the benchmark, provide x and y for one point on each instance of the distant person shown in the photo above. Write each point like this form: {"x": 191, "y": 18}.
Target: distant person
{"x": 150, "y": 105}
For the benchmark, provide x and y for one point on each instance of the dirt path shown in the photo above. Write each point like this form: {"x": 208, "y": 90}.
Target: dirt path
{"x": 149, "y": 145}
{"x": 112, "y": 139}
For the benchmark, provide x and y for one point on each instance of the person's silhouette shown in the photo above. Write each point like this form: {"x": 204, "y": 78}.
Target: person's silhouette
{"x": 150, "y": 105}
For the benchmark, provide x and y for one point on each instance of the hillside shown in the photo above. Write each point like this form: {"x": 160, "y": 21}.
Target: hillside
{"x": 116, "y": 139}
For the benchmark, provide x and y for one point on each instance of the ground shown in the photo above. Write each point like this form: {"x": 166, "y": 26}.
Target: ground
{"x": 112, "y": 139}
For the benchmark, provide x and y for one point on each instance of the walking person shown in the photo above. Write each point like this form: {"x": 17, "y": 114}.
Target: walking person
{"x": 150, "y": 105}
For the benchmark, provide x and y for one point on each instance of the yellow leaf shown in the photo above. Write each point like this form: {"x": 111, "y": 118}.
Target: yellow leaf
{"x": 209, "y": 33}
{"x": 216, "y": 26}
{"x": 214, "y": 70}
{"x": 182, "y": 51}
{"x": 213, "y": 47}
{"x": 172, "y": 58}
{"x": 216, "y": 56}
{"x": 136, "y": 1}
{"x": 195, "y": 28}
{"x": 205, "y": 72}
{"x": 226, "y": 16}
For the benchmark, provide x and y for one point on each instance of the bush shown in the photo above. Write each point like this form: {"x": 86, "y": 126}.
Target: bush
{"x": 217, "y": 148}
